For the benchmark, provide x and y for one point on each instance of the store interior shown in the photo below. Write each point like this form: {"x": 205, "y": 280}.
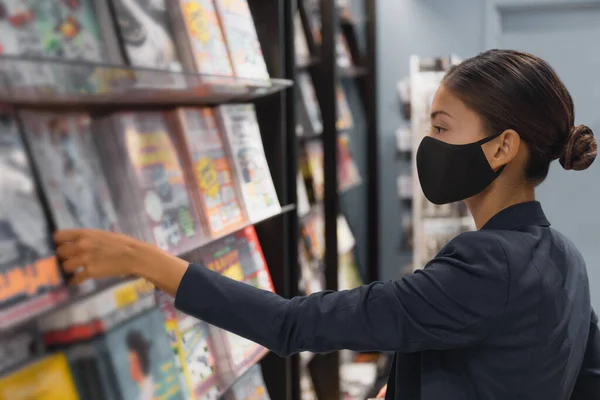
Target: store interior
{"x": 272, "y": 141}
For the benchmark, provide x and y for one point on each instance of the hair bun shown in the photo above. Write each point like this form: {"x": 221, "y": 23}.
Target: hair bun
{"x": 580, "y": 149}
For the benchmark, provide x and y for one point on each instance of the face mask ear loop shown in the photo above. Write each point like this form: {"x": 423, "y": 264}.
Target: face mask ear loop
{"x": 489, "y": 138}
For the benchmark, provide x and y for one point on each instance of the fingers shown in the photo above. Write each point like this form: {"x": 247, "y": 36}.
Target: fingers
{"x": 80, "y": 277}
{"x": 68, "y": 235}
{"x": 67, "y": 250}
{"x": 73, "y": 264}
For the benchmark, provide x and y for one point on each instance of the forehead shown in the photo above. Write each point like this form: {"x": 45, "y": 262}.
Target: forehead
{"x": 446, "y": 102}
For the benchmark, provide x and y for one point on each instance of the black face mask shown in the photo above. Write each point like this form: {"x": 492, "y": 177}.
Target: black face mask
{"x": 453, "y": 172}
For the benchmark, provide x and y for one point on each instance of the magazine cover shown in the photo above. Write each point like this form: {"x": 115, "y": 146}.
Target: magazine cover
{"x": 27, "y": 262}
{"x": 313, "y": 167}
{"x": 141, "y": 359}
{"x": 20, "y": 35}
{"x": 239, "y": 257}
{"x": 69, "y": 29}
{"x": 348, "y": 274}
{"x": 246, "y": 149}
{"x": 348, "y": 175}
{"x": 201, "y": 363}
{"x": 145, "y": 30}
{"x": 300, "y": 43}
{"x": 209, "y": 170}
{"x": 85, "y": 370}
{"x": 312, "y": 277}
{"x": 254, "y": 266}
{"x": 46, "y": 379}
{"x": 342, "y": 50}
{"x": 250, "y": 386}
{"x": 17, "y": 348}
{"x": 313, "y": 13}
{"x": 310, "y": 102}
{"x": 302, "y": 196}
{"x": 199, "y": 35}
{"x": 312, "y": 232}
{"x": 344, "y": 114}
{"x": 158, "y": 181}
{"x": 68, "y": 164}
{"x": 242, "y": 41}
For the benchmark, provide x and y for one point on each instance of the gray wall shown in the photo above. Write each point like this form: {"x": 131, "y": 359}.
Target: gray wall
{"x": 406, "y": 27}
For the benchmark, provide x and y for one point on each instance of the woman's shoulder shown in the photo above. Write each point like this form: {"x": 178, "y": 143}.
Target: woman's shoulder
{"x": 476, "y": 243}
{"x": 479, "y": 252}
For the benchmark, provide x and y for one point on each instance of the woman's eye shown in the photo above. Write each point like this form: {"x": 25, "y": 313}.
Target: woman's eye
{"x": 437, "y": 129}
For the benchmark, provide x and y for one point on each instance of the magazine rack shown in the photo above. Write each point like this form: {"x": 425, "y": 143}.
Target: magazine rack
{"x": 107, "y": 87}
{"x": 35, "y": 83}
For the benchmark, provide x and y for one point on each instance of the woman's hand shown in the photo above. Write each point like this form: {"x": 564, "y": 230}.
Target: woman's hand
{"x": 94, "y": 254}
{"x": 382, "y": 392}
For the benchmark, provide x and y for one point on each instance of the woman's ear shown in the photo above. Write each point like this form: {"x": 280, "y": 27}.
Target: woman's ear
{"x": 502, "y": 149}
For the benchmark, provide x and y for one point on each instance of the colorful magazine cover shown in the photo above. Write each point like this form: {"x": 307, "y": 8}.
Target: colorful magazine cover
{"x": 344, "y": 114}
{"x": 58, "y": 29}
{"x": 146, "y": 32}
{"x": 20, "y": 36}
{"x": 254, "y": 266}
{"x": 158, "y": 181}
{"x": 141, "y": 359}
{"x": 209, "y": 170}
{"x": 46, "y": 379}
{"x": 201, "y": 363}
{"x": 198, "y": 32}
{"x": 27, "y": 262}
{"x": 244, "y": 140}
{"x": 242, "y": 41}
{"x": 69, "y": 29}
{"x": 312, "y": 167}
{"x": 313, "y": 234}
{"x": 68, "y": 164}
{"x": 239, "y": 257}
{"x": 348, "y": 175}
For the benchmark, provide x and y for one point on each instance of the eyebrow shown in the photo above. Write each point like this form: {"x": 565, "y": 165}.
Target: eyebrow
{"x": 436, "y": 113}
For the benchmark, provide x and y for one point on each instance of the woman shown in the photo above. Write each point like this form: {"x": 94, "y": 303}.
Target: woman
{"x": 500, "y": 313}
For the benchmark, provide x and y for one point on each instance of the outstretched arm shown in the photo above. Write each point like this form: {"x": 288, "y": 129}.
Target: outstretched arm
{"x": 455, "y": 301}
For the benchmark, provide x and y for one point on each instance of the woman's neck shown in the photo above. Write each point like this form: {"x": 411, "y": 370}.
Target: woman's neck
{"x": 489, "y": 203}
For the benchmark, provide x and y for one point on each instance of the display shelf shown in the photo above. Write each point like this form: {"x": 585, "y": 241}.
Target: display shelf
{"x": 353, "y": 72}
{"x": 49, "y": 83}
{"x": 124, "y": 293}
{"x": 191, "y": 255}
{"x": 58, "y": 299}
{"x": 310, "y": 136}
{"x": 311, "y": 62}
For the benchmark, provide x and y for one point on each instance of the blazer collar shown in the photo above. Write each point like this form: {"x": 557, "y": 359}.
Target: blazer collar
{"x": 518, "y": 216}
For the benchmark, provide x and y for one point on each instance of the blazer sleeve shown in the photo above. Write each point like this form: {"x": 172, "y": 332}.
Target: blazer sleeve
{"x": 456, "y": 300}
{"x": 587, "y": 386}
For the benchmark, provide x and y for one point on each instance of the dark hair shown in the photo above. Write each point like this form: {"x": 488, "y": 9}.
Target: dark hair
{"x": 519, "y": 91}
{"x": 137, "y": 343}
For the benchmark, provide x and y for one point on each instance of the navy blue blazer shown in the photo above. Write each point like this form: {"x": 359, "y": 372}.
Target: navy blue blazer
{"x": 500, "y": 313}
